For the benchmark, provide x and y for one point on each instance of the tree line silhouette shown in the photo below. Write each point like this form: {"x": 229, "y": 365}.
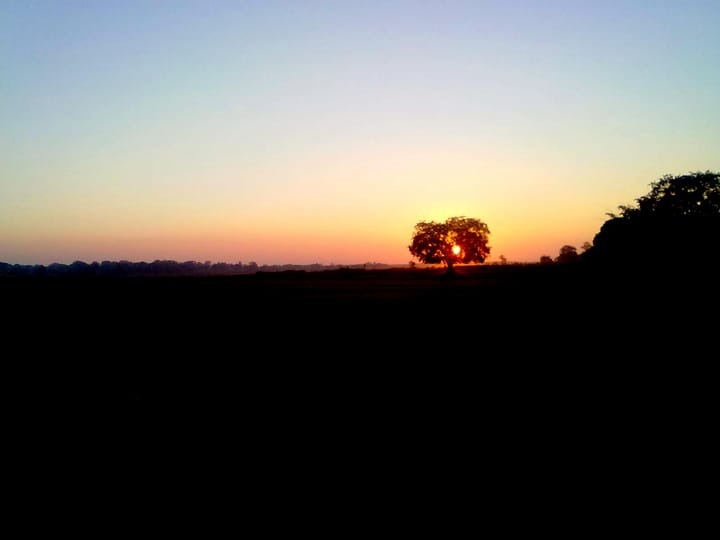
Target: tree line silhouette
{"x": 679, "y": 216}
{"x": 162, "y": 268}
{"x": 678, "y": 221}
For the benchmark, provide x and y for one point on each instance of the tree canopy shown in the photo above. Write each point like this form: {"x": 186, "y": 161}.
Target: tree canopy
{"x": 678, "y": 219}
{"x": 693, "y": 194}
{"x": 568, "y": 254}
{"x": 457, "y": 240}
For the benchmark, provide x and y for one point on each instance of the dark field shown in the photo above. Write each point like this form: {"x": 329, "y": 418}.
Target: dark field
{"x": 496, "y": 338}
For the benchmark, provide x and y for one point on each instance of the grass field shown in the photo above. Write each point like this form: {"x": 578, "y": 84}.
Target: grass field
{"x": 506, "y": 335}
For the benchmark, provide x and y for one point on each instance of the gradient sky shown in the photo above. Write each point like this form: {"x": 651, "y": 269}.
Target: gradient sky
{"x": 296, "y": 132}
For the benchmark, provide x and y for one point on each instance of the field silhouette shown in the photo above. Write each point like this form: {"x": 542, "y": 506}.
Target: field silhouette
{"x": 628, "y": 318}
{"x": 575, "y": 338}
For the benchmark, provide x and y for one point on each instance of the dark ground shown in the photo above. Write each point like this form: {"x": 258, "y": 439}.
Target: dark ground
{"x": 501, "y": 336}
{"x": 534, "y": 398}
{"x": 563, "y": 391}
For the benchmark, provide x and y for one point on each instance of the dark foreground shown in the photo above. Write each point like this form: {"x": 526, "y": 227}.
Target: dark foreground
{"x": 553, "y": 396}
{"x": 494, "y": 337}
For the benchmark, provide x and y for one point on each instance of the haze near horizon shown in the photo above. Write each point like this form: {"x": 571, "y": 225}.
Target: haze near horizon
{"x": 321, "y": 132}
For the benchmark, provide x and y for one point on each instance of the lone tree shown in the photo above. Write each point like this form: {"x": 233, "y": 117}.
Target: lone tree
{"x": 457, "y": 240}
{"x": 680, "y": 213}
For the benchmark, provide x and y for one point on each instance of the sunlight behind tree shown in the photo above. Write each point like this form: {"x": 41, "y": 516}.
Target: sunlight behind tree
{"x": 457, "y": 240}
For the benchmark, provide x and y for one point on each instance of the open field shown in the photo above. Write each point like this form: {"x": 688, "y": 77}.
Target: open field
{"x": 505, "y": 335}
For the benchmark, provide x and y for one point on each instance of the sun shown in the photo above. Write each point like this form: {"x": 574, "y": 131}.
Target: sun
{"x": 456, "y": 249}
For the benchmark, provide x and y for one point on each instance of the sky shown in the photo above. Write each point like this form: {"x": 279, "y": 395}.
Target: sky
{"x": 300, "y": 132}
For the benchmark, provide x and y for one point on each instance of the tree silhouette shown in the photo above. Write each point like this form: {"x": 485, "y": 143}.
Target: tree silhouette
{"x": 694, "y": 194}
{"x": 568, "y": 254}
{"x": 679, "y": 219}
{"x": 457, "y": 240}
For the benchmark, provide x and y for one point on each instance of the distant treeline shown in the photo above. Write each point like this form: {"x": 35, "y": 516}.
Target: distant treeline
{"x": 164, "y": 268}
